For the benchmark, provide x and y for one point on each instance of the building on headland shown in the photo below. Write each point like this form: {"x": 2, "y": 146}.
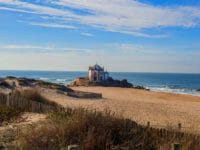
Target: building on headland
{"x": 97, "y": 76}
{"x": 97, "y": 73}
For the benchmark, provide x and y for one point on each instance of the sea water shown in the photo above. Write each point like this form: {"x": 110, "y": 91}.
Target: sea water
{"x": 165, "y": 82}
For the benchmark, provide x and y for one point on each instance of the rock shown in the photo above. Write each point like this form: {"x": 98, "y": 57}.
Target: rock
{"x": 110, "y": 82}
{"x": 115, "y": 83}
{"x": 140, "y": 88}
{"x": 4, "y": 84}
{"x": 80, "y": 82}
{"x": 198, "y": 90}
{"x": 10, "y": 77}
{"x": 25, "y": 82}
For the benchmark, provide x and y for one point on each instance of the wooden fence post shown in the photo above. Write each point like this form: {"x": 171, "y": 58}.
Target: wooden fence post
{"x": 148, "y": 124}
{"x": 7, "y": 100}
{"x": 179, "y": 126}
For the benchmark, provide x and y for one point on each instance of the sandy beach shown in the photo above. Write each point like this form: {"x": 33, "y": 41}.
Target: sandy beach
{"x": 161, "y": 109}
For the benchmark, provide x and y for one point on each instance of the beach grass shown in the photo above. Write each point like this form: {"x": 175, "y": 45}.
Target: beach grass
{"x": 35, "y": 95}
{"x": 8, "y": 113}
{"x": 93, "y": 130}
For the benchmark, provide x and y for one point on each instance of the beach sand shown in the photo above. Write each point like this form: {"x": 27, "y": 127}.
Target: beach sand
{"x": 160, "y": 109}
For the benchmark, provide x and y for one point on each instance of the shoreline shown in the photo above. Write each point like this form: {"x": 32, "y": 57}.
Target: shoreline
{"x": 181, "y": 83}
{"x": 171, "y": 92}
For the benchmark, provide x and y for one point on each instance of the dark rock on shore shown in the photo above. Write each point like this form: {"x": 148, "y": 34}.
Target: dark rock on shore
{"x": 108, "y": 83}
{"x": 114, "y": 83}
{"x": 140, "y": 88}
{"x": 4, "y": 84}
{"x": 198, "y": 90}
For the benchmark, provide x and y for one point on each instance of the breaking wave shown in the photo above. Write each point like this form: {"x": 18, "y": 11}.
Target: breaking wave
{"x": 169, "y": 89}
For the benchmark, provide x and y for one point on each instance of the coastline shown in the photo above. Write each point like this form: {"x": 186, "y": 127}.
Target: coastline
{"x": 166, "y": 82}
{"x": 174, "y": 91}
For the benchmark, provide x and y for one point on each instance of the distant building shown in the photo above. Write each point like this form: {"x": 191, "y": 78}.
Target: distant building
{"x": 96, "y": 73}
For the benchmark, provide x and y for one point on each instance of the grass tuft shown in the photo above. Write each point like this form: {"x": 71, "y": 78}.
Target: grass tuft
{"x": 8, "y": 113}
{"x": 35, "y": 95}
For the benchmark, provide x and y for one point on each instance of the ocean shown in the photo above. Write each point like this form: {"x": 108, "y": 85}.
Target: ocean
{"x": 165, "y": 82}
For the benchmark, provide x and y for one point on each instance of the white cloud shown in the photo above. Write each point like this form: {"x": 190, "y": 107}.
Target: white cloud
{"x": 13, "y": 9}
{"x": 124, "y": 16}
{"x": 13, "y": 46}
{"x": 42, "y": 49}
{"x": 133, "y": 14}
{"x": 53, "y": 25}
{"x": 87, "y": 34}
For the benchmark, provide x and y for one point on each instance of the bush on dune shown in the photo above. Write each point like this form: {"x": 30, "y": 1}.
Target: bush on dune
{"x": 8, "y": 113}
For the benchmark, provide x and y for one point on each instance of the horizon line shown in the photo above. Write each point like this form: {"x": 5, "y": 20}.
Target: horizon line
{"x": 108, "y": 71}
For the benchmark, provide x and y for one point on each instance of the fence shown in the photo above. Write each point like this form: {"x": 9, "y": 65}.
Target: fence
{"x": 16, "y": 101}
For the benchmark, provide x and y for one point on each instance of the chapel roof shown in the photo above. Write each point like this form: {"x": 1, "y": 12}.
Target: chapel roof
{"x": 96, "y": 67}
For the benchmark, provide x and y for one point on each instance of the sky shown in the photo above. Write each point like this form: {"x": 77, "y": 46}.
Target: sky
{"x": 121, "y": 35}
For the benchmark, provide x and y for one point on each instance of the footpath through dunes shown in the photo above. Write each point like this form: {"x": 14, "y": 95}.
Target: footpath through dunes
{"x": 160, "y": 109}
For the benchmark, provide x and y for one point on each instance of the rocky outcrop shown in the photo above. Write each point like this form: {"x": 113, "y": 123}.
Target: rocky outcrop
{"x": 108, "y": 83}
{"x": 114, "y": 83}
{"x": 5, "y": 85}
{"x": 140, "y": 87}
{"x": 198, "y": 90}
{"x": 80, "y": 82}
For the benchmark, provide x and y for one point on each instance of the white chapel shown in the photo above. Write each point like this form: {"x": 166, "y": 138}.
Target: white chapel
{"x": 96, "y": 73}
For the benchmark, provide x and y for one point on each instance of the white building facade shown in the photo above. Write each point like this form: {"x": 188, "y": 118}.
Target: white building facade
{"x": 96, "y": 73}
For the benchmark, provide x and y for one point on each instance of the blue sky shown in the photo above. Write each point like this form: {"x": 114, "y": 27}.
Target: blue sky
{"x": 122, "y": 35}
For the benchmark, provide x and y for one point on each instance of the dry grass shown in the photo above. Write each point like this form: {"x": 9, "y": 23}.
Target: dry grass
{"x": 35, "y": 95}
{"x": 99, "y": 131}
{"x": 8, "y": 113}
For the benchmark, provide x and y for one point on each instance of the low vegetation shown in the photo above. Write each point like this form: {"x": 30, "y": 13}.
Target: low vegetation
{"x": 101, "y": 131}
{"x": 10, "y": 111}
{"x": 35, "y": 95}
{"x": 8, "y": 114}
{"x": 90, "y": 130}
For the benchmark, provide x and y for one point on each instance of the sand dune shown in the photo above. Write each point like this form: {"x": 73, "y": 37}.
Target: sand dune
{"x": 160, "y": 109}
